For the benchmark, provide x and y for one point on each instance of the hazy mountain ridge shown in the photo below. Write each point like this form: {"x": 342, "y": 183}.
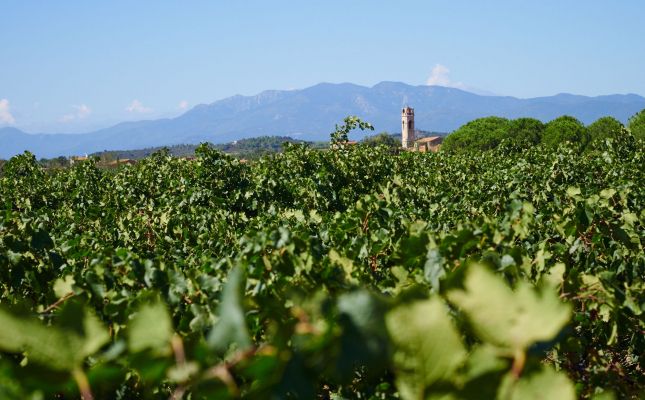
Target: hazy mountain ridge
{"x": 310, "y": 114}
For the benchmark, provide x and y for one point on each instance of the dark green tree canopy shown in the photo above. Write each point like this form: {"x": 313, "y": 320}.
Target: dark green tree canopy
{"x": 382, "y": 138}
{"x": 637, "y": 125}
{"x": 488, "y": 133}
{"x": 565, "y": 129}
{"x": 525, "y": 132}
{"x": 603, "y": 128}
{"x": 479, "y": 134}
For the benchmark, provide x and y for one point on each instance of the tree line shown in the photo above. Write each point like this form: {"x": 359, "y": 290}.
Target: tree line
{"x": 522, "y": 133}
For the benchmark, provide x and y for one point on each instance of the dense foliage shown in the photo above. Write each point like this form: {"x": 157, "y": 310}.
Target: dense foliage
{"x": 637, "y": 125}
{"x": 351, "y": 273}
{"x": 178, "y": 150}
{"x": 565, "y": 129}
{"x": 479, "y": 134}
{"x": 522, "y": 133}
{"x": 250, "y": 148}
{"x": 604, "y": 128}
{"x": 383, "y": 139}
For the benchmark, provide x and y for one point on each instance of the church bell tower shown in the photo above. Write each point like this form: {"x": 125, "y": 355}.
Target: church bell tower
{"x": 407, "y": 128}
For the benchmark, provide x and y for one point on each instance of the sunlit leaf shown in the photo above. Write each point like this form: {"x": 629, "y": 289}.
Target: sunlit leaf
{"x": 230, "y": 328}
{"x": 427, "y": 348}
{"x": 512, "y": 320}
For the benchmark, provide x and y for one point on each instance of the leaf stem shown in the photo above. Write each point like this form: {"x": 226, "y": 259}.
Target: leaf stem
{"x": 57, "y": 303}
{"x": 518, "y": 363}
{"x": 83, "y": 384}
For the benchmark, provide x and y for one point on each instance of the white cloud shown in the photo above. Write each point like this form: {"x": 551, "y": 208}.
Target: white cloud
{"x": 80, "y": 112}
{"x": 183, "y": 105}
{"x": 137, "y": 107}
{"x": 440, "y": 76}
{"x": 5, "y": 115}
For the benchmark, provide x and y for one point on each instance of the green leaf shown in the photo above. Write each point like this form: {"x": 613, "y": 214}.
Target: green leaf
{"x": 345, "y": 263}
{"x": 95, "y": 334}
{"x": 41, "y": 240}
{"x": 433, "y": 269}
{"x": 604, "y": 396}
{"x": 365, "y": 339}
{"x": 543, "y": 384}
{"x": 183, "y": 372}
{"x": 427, "y": 348}
{"x": 44, "y": 345}
{"x": 230, "y": 329}
{"x": 63, "y": 287}
{"x": 574, "y": 192}
{"x": 555, "y": 275}
{"x": 51, "y": 346}
{"x": 511, "y": 320}
{"x": 484, "y": 360}
{"x": 150, "y": 328}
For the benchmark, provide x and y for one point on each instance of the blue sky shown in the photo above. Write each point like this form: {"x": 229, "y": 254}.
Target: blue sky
{"x": 72, "y": 66}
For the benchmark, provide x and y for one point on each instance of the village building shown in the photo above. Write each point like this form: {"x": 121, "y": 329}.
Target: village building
{"x": 75, "y": 159}
{"x": 431, "y": 143}
{"x": 124, "y": 161}
{"x": 409, "y": 139}
{"x": 407, "y": 128}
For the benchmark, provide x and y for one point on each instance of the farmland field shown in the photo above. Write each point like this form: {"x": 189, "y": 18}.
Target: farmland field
{"x": 351, "y": 273}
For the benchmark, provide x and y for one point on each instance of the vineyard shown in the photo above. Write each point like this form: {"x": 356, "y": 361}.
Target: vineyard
{"x": 352, "y": 273}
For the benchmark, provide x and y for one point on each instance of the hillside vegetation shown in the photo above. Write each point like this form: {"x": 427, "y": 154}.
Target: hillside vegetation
{"x": 351, "y": 273}
{"x": 243, "y": 148}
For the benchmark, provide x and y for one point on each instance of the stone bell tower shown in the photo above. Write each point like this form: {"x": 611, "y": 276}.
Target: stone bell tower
{"x": 407, "y": 128}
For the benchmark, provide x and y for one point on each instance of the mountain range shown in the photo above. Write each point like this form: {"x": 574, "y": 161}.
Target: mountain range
{"x": 311, "y": 113}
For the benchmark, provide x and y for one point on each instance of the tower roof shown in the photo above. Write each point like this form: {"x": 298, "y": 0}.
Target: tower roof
{"x": 407, "y": 110}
